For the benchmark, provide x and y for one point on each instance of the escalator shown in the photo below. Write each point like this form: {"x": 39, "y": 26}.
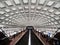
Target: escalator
{"x": 34, "y": 40}
{"x": 23, "y": 40}
{"x": 4, "y": 40}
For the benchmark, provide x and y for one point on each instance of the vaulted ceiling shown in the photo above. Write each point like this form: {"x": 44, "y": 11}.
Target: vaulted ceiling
{"x": 30, "y": 12}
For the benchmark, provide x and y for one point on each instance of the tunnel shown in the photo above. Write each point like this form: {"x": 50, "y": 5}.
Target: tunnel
{"x": 29, "y": 22}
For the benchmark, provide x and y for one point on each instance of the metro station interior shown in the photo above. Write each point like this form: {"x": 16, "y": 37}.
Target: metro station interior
{"x": 29, "y": 22}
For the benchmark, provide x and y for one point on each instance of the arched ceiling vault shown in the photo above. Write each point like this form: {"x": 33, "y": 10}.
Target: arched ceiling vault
{"x": 30, "y": 12}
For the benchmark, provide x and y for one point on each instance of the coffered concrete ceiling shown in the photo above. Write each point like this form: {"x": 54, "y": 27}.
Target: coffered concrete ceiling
{"x": 30, "y": 12}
